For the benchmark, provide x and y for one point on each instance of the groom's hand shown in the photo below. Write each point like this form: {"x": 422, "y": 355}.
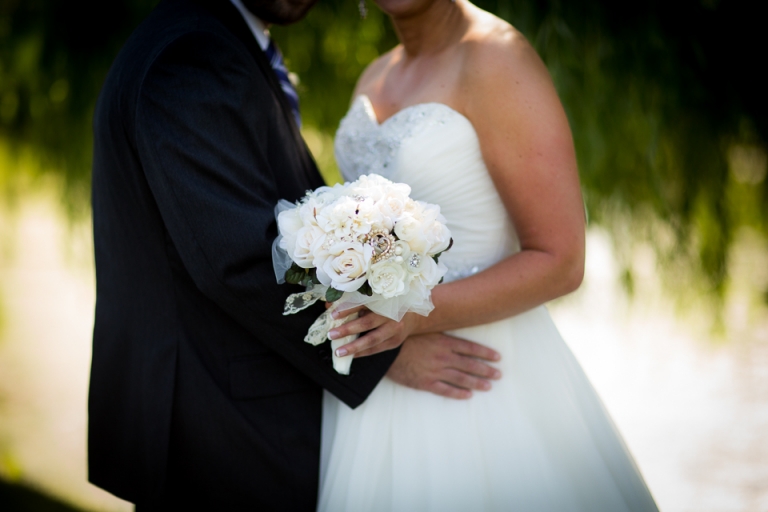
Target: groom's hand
{"x": 444, "y": 365}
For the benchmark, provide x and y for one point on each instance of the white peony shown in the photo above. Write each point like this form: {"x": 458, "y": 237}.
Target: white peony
{"x": 347, "y": 267}
{"x": 388, "y": 279}
{"x": 334, "y": 217}
{"x": 367, "y": 217}
{"x": 349, "y": 218}
{"x": 308, "y": 211}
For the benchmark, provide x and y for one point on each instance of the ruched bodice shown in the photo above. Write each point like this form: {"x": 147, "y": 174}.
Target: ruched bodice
{"x": 435, "y": 150}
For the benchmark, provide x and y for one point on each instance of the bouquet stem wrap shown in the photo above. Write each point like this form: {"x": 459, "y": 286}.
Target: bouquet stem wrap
{"x": 318, "y": 333}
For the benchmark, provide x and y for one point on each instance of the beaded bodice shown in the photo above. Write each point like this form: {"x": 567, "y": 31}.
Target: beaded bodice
{"x": 435, "y": 150}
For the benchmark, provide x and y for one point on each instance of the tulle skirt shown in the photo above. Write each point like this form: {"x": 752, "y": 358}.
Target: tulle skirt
{"x": 540, "y": 440}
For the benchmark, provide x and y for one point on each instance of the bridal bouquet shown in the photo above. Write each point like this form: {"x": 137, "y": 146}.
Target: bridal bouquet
{"x": 361, "y": 243}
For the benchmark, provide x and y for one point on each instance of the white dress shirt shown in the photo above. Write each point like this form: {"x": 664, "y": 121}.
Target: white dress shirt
{"x": 260, "y": 32}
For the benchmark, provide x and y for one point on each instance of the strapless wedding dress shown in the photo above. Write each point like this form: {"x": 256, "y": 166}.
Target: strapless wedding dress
{"x": 540, "y": 439}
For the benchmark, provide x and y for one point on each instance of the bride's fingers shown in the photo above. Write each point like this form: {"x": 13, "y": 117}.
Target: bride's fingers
{"x": 369, "y": 340}
{"x": 381, "y": 347}
{"x": 359, "y": 325}
{"x": 343, "y": 313}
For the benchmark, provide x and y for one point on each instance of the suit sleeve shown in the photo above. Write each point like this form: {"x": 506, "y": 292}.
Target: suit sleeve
{"x": 203, "y": 127}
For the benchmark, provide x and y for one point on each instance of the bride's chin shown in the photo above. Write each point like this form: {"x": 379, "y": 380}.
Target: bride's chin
{"x": 405, "y": 8}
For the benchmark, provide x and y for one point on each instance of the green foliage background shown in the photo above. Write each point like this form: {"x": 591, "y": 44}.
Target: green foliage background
{"x": 665, "y": 101}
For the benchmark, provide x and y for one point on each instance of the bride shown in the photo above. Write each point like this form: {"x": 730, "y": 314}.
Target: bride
{"x": 464, "y": 111}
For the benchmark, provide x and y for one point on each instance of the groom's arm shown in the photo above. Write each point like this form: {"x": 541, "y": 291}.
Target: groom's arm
{"x": 204, "y": 128}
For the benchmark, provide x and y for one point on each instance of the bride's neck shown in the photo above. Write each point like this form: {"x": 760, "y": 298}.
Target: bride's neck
{"x": 431, "y": 30}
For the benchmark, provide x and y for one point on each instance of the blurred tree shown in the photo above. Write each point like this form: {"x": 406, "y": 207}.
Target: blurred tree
{"x": 665, "y": 99}
{"x": 53, "y": 59}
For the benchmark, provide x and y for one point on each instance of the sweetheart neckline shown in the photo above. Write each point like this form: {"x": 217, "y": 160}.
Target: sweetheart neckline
{"x": 371, "y": 113}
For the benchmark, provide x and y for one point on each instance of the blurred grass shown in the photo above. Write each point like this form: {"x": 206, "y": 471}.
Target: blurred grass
{"x": 16, "y": 497}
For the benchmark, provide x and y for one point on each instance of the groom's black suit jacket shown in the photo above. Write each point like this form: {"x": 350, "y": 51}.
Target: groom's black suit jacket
{"x": 198, "y": 381}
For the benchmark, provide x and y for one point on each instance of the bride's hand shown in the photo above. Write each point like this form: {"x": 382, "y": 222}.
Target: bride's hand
{"x": 381, "y": 333}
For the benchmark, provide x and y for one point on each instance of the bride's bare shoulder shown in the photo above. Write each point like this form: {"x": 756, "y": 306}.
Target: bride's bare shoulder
{"x": 498, "y": 57}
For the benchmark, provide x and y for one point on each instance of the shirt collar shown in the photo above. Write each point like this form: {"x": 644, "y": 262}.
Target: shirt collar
{"x": 260, "y": 32}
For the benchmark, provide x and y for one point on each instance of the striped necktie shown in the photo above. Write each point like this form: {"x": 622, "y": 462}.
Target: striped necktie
{"x": 276, "y": 61}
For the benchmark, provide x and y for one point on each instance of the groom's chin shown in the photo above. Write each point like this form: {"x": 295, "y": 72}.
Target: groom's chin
{"x": 279, "y": 12}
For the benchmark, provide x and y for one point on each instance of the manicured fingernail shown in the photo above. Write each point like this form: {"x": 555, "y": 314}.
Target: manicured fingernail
{"x": 333, "y": 334}
{"x": 341, "y": 352}
{"x": 485, "y": 385}
{"x": 496, "y": 374}
{"x": 335, "y": 314}
{"x": 497, "y": 357}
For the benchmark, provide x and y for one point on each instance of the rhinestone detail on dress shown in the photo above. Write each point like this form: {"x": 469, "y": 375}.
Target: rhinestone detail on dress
{"x": 364, "y": 146}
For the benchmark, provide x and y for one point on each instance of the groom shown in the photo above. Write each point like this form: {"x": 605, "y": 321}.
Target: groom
{"x": 202, "y": 394}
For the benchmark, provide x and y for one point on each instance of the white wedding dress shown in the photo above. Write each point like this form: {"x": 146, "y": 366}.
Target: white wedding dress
{"x": 540, "y": 440}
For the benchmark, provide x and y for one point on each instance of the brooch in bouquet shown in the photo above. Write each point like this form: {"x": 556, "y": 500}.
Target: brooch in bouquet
{"x": 365, "y": 242}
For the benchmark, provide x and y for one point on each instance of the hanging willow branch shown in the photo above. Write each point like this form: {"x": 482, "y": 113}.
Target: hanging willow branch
{"x": 666, "y": 104}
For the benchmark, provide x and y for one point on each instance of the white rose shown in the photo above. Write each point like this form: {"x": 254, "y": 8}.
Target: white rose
{"x": 327, "y": 195}
{"x": 363, "y": 187}
{"x": 424, "y": 229}
{"x": 402, "y": 249}
{"x": 430, "y": 273}
{"x": 437, "y": 237}
{"x": 415, "y": 208}
{"x": 388, "y": 279}
{"x": 400, "y": 190}
{"x": 321, "y": 249}
{"x": 425, "y": 269}
{"x": 288, "y": 224}
{"x": 306, "y": 239}
{"x": 392, "y": 207}
{"x": 376, "y": 187}
{"x": 346, "y": 269}
{"x": 407, "y": 228}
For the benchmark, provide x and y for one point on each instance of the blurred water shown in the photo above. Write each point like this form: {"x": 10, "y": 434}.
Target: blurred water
{"x": 693, "y": 409}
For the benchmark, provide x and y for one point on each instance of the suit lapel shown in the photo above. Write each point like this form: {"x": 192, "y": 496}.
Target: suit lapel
{"x": 231, "y": 18}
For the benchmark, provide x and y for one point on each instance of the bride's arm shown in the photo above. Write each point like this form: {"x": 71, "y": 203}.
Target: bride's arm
{"x": 528, "y": 148}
